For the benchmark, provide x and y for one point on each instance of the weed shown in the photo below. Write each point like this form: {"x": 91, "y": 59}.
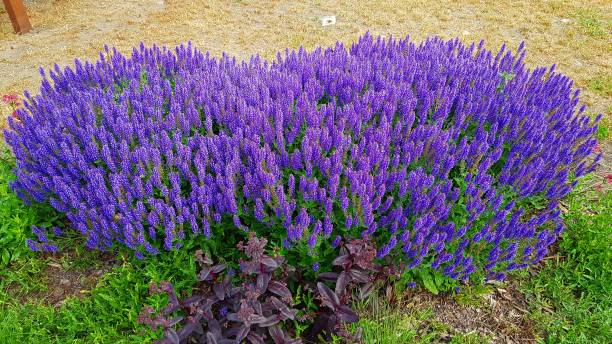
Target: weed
{"x": 601, "y": 85}
{"x": 592, "y": 23}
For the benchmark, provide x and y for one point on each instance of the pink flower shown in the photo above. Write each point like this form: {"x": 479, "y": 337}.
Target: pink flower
{"x": 10, "y": 99}
{"x": 609, "y": 178}
{"x": 597, "y": 148}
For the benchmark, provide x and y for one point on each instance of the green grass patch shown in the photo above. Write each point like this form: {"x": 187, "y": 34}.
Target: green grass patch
{"x": 381, "y": 322}
{"x": 571, "y": 296}
{"x": 107, "y": 315}
{"x": 16, "y": 218}
{"x": 593, "y": 23}
{"x": 601, "y": 85}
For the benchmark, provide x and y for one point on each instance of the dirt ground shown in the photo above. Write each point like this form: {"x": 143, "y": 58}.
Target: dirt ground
{"x": 64, "y": 282}
{"x": 501, "y": 315}
{"x": 568, "y": 33}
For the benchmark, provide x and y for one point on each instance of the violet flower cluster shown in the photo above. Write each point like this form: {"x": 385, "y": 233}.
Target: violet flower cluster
{"x": 434, "y": 150}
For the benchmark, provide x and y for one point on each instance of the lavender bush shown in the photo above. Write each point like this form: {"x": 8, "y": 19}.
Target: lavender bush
{"x": 446, "y": 155}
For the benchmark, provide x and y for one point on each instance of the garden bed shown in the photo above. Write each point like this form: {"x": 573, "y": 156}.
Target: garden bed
{"x": 70, "y": 292}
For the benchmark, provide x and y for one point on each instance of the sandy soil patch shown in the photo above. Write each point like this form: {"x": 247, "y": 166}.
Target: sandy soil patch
{"x": 573, "y": 34}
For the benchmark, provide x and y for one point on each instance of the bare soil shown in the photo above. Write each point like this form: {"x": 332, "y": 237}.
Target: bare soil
{"x": 501, "y": 315}
{"x": 63, "y": 282}
{"x": 573, "y": 34}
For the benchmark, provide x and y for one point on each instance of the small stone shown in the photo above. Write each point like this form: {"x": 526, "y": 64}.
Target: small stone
{"x": 328, "y": 20}
{"x": 64, "y": 281}
{"x": 566, "y": 20}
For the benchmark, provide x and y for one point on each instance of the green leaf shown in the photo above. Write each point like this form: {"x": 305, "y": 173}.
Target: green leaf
{"x": 428, "y": 282}
{"x": 439, "y": 279}
{"x": 6, "y": 257}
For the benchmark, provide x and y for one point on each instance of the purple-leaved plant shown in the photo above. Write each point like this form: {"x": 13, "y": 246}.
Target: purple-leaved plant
{"x": 256, "y": 310}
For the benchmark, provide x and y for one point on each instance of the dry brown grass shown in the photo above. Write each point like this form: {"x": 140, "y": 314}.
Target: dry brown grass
{"x": 573, "y": 34}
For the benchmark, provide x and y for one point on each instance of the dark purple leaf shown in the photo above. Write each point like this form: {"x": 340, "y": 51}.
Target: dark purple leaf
{"x": 288, "y": 313}
{"x": 360, "y": 276}
{"x": 256, "y": 319}
{"x": 323, "y": 323}
{"x": 279, "y": 289}
{"x": 218, "y": 268}
{"x": 271, "y": 320}
{"x": 269, "y": 262}
{"x": 174, "y": 321}
{"x": 328, "y": 276}
{"x": 262, "y": 282}
{"x": 279, "y": 260}
{"x": 346, "y": 314}
{"x": 172, "y": 336}
{"x": 366, "y": 290}
{"x": 277, "y": 334}
{"x": 191, "y": 300}
{"x": 258, "y": 307}
{"x": 232, "y": 317}
{"x": 343, "y": 280}
{"x": 204, "y": 274}
{"x": 201, "y": 258}
{"x": 210, "y": 338}
{"x": 341, "y": 260}
{"x": 328, "y": 297}
{"x": 189, "y": 329}
{"x": 353, "y": 248}
{"x": 242, "y": 333}
{"x": 219, "y": 291}
{"x": 255, "y": 338}
{"x": 278, "y": 304}
{"x": 214, "y": 327}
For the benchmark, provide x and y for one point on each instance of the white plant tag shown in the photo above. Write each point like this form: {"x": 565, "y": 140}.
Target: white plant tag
{"x": 328, "y": 20}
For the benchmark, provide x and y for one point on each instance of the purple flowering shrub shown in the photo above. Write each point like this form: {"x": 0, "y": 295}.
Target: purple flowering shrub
{"x": 450, "y": 157}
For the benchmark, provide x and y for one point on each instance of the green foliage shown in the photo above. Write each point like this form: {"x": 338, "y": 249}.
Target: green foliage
{"x": 384, "y": 323}
{"x": 473, "y": 295}
{"x": 432, "y": 280}
{"x": 470, "y": 338}
{"x": 572, "y": 293}
{"x": 16, "y": 218}
{"x": 506, "y": 77}
{"x": 601, "y": 85}
{"x": 593, "y": 24}
{"x": 107, "y": 315}
{"x": 603, "y": 132}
